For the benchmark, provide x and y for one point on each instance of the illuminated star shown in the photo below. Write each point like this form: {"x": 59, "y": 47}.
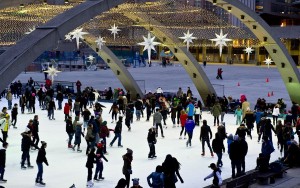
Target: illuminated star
{"x": 68, "y": 37}
{"x": 248, "y": 50}
{"x": 148, "y": 45}
{"x": 78, "y": 34}
{"x": 90, "y": 58}
{"x": 188, "y": 38}
{"x": 268, "y": 62}
{"x": 52, "y": 72}
{"x": 30, "y": 30}
{"x": 221, "y": 40}
{"x": 114, "y": 30}
{"x": 100, "y": 42}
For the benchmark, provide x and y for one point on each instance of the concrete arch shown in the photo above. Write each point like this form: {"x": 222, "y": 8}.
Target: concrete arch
{"x": 284, "y": 62}
{"x": 188, "y": 61}
{"x": 18, "y": 57}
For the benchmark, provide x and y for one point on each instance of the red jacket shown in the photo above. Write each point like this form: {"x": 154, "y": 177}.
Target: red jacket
{"x": 183, "y": 118}
{"x": 66, "y": 108}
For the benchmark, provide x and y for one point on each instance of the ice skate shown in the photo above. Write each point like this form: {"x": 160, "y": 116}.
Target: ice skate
{"x": 23, "y": 167}
{"x": 89, "y": 184}
{"x": 29, "y": 166}
{"x": 180, "y": 137}
{"x": 101, "y": 178}
{"x": 3, "y": 180}
{"x": 174, "y": 126}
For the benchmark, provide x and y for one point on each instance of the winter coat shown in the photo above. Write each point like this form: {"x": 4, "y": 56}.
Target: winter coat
{"x": 216, "y": 110}
{"x": 41, "y": 157}
{"x": 138, "y": 105}
{"x": 267, "y": 148}
{"x": 35, "y": 125}
{"x": 59, "y": 96}
{"x": 205, "y": 132}
{"x": 78, "y": 134}
{"x": 157, "y": 180}
{"x": 76, "y": 106}
{"x": 189, "y": 125}
{"x": 2, "y": 157}
{"x": 118, "y": 128}
{"x": 217, "y": 145}
{"x": 91, "y": 160}
{"x": 190, "y": 109}
{"x": 26, "y": 142}
{"x": 127, "y": 158}
{"x": 104, "y": 131}
{"x": 69, "y": 127}
{"x": 151, "y": 137}
{"x": 86, "y": 115}
{"x": 244, "y": 148}
{"x": 157, "y": 118}
{"x": 249, "y": 119}
{"x": 241, "y": 131}
{"x": 66, "y": 108}
{"x": 238, "y": 112}
{"x": 89, "y": 134}
{"x": 276, "y": 111}
{"x": 100, "y": 155}
{"x": 183, "y": 118}
{"x": 114, "y": 108}
{"x": 14, "y": 111}
{"x": 235, "y": 151}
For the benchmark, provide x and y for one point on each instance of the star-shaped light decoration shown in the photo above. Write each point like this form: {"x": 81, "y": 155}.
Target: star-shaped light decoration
{"x": 30, "y": 30}
{"x": 68, "y": 37}
{"x": 248, "y": 51}
{"x": 148, "y": 45}
{"x": 100, "y": 42}
{"x": 78, "y": 34}
{"x": 268, "y": 62}
{"x": 52, "y": 72}
{"x": 91, "y": 58}
{"x": 188, "y": 38}
{"x": 114, "y": 30}
{"x": 221, "y": 40}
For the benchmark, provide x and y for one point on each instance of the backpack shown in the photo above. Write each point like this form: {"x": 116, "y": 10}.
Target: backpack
{"x": 276, "y": 166}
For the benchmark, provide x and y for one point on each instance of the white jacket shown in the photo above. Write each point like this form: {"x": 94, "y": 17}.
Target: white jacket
{"x": 275, "y": 112}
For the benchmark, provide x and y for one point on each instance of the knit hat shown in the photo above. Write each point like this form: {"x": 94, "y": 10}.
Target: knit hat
{"x": 43, "y": 143}
{"x": 129, "y": 151}
{"x": 212, "y": 165}
{"x": 135, "y": 181}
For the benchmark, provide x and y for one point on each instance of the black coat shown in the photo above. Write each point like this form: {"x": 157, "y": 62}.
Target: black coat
{"x": 69, "y": 127}
{"x": 118, "y": 128}
{"x": 244, "y": 147}
{"x": 41, "y": 157}
{"x": 2, "y": 157}
{"x": 217, "y": 145}
{"x": 151, "y": 137}
{"x": 35, "y": 127}
{"x": 235, "y": 151}
{"x": 205, "y": 132}
{"x": 26, "y": 142}
{"x": 91, "y": 160}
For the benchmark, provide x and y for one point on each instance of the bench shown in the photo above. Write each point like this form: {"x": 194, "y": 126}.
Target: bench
{"x": 264, "y": 178}
{"x": 243, "y": 181}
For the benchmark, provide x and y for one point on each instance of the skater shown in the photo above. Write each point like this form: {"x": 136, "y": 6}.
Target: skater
{"x": 78, "y": 134}
{"x": 218, "y": 147}
{"x": 171, "y": 169}
{"x": 91, "y": 159}
{"x": 267, "y": 148}
{"x": 216, "y": 174}
{"x": 51, "y": 107}
{"x": 104, "y": 133}
{"x": 128, "y": 115}
{"x": 151, "y": 142}
{"x": 127, "y": 169}
{"x": 70, "y": 131}
{"x": 183, "y": 119}
{"x": 205, "y": 136}
{"x": 35, "y": 131}
{"x": 189, "y": 127}
{"x": 7, "y": 124}
{"x": 121, "y": 183}
{"x": 118, "y": 132}
{"x": 148, "y": 109}
{"x": 66, "y": 111}
{"x": 197, "y": 115}
{"x": 216, "y": 112}
{"x": 41, "y": 158}
{"x": 14, "y": 114}
{"x": 86, "y": 114}
{"x": 99, "y": 162}
{"x": 3, "y": 161}
{"x": 238, "y": 113}
{"x": 89, "y": 137}
{"x": 235, "y": 156}
{"x": 136, "y": 183}
{"x": 157, "y": 118}
{"x": 173, "y": 112}
{"x": 114, "y": 109}
{"x": 219, "y": 74}
{"x": 25, "y": 146}
{"x": 157, "y": 178}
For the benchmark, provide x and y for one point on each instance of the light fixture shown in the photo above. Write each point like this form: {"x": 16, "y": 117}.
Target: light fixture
{"x": 265, "y": 39}
{"x": 254, "y": 26}
{"x": 150, "y": 28}
{"x": 194, "y": 75}
{"x": 290, "y": 79}
{"x": 185, "y": 62}
{"x": 214, "y": 2}
{"x": 229, "y": 9}
{"x": 175, "y": 50}
{"x": 242, "y": 17}
{"x": 22, "y": 5}
{"x": 108, "y": 60}
{"x": 164, "y": 39}
{"x": 118, "y": 72}
{"x": 97, "y": 49}
{"x": 274, "y": 51}
{"x": 66, "y": 1}
{"x": 282, "y": 65}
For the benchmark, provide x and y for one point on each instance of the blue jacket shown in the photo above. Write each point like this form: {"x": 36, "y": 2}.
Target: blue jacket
{"x": 189, "y": 125}
{"x": 190, "y": 109}
{"x": 267, "y": 148}
{"x": 157, "y": 180}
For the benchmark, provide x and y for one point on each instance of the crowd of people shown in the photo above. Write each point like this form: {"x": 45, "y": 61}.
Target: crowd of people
{"x": 184, "y": 111}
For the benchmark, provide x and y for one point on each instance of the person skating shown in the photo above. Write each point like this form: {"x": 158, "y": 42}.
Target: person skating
{"x": 136, "y": 183}
{"x": 51, "y": 107}
{"x": 99, "y": 162}
{"x": 157, "y": 118}
{"x": 114, "y": 109}
{"x": 205, "y": 136}
{"x": 189, "y": 127}
{"x": 183, "y": 118}
{"x": 91, "y": 159}
{"x": 89, "y": 137}
{"x": 41, "y": 158}
{"x": 25, "y": 147}
{"x": 219, "y": 73}
{"x": 216, "y": 174}
{"x": 197, "y": 115}
{"x": 171, "y": 168}
{"x": 127, "y": 168}
{"x": 35, "y": 131}
{"x": 7, "y": 124}
{"x": 218, "y": 148}
{"x": 70, "y": 130}
{"x": 118, "y": 132}
{"x": 78, "y": 134}
{"x": 235, "y": 156}
{"x": 14, "y": 114}
{"x": 3, "y": 161}
{"x": 151, "y": 142}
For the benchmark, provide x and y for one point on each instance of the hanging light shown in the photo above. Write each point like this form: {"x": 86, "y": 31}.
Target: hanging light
{"x": 214, "y": 2}
{"x": 22, "y": 5}
{"x": 229, "y": 9}
{"x": 66, "y": 1}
